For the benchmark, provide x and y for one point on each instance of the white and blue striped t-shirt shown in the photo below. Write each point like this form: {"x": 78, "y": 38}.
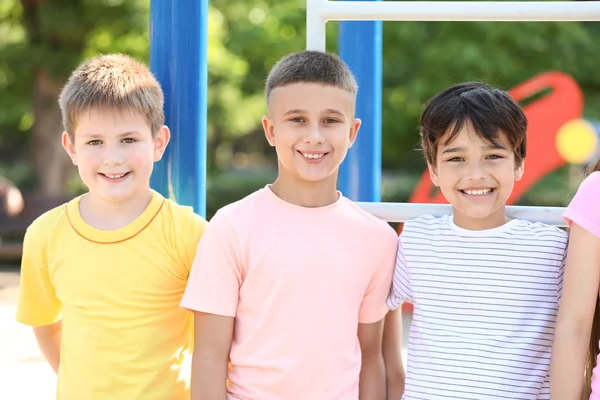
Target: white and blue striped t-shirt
{"x": 485, "y": 305}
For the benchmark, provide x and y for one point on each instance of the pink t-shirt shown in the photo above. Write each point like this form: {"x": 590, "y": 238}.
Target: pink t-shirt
{"x": 298, "y": 282}
{"x": 584, "y": 210}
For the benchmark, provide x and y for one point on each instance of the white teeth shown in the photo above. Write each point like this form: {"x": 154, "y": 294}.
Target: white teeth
{"x": 478, "y": 192}
{"x": 313, "y": 156}
{"x": 115, "y": 176}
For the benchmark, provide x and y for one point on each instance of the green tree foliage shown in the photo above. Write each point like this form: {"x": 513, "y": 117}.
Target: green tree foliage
{"x": 42, "y": 41}
{"x": 421, "y": 59}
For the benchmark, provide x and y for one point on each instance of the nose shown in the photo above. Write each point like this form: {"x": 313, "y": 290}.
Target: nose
{"x": 113, "y": 156}
{"x": 314, "y": 135}
{"x": 476, "y": 171}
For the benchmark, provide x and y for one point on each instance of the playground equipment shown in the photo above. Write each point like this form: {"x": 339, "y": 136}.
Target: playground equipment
{"x": 178, "y": 58}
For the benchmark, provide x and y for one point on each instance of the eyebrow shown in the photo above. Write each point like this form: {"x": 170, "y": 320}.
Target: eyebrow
{"x": 460, "y": 149}
{"x": 121, "y": 135}
{"x": 328, "y": 111}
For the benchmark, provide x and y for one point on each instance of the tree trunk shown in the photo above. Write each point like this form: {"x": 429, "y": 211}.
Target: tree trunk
{"x": 52, "y": 166}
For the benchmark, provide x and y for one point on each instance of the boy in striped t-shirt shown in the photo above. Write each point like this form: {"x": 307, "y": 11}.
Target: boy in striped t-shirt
{"x": 485, "y": 288}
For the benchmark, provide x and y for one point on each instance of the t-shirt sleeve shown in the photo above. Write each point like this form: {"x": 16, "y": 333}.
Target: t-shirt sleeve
{"x": 584, "y": 208}
{"x": 196, "y": 225}
{"x": 401, "y": 287}
{"x": 216, "y": 274}
{"x": 37, "y": 303}
{"x": 373, "y": 307}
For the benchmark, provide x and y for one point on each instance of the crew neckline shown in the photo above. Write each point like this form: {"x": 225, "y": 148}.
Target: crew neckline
{"x": 482, "y": 232}
{"x": 278, "y": 200}
{"x": 127, "y": 232}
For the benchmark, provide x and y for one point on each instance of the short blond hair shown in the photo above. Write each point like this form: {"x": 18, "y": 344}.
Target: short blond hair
{"x": 112, "y": 81}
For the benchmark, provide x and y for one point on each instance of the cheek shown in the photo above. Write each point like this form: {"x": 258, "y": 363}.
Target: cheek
{"x": 87, "y": 157}
{"x": 447, "y": 173}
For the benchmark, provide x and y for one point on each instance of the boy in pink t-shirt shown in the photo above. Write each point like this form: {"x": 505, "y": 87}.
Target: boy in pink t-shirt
{"x": 289, "y": 284}
{"x": 578, "y": 313}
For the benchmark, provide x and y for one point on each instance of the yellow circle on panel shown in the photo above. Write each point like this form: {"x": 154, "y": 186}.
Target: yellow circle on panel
{"x": 576, "y": 141}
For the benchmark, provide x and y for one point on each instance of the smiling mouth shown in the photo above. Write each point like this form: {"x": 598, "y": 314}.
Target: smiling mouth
{"x": 115, "y": 176}
{"x": 478, "y": 192}
{"x": 313, "y": 156}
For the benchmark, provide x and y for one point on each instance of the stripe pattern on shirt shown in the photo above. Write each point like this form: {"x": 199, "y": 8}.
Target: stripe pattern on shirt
{"x": 485, "y": 305}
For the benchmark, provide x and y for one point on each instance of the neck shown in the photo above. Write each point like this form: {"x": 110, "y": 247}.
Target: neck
{"x": 106, "y": 215}
{"x": 306, "y": 194}
{"x": 496, "y": 219}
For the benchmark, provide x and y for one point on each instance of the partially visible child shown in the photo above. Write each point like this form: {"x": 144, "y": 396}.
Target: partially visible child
{"x": 290, "y": 283}
{"x": 578, "y": 314}
{"x": 485, "y": 288}
{"x": 102, "y": 276}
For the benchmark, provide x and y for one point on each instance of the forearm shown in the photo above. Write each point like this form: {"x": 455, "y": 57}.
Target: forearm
{"x": 209, "y": 377}
{"x": 48, "y": 339}
{"x": 395, "y": 383}
{"x": 568, "y": 363}
{"x": 392, "y": 355}
{"x": 372, "y": 384}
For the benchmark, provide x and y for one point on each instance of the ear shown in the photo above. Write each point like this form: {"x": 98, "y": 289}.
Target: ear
{"x": 354, "y": 131}
{"x": 69, "y": 147}
{"x": 519, "y": 171}
{"x": 161, "y": 140}
{"x": 433, "y": 175}
{"x": 269, "y": 129}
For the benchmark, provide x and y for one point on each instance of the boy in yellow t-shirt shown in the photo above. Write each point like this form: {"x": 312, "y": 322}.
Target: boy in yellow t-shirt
{"x": 103, "y": 275}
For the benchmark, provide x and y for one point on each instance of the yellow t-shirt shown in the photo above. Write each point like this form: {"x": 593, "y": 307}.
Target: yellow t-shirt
{"x": 118, "y": 294}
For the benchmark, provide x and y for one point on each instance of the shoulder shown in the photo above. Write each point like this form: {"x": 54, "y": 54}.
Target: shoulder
{"x": 591, "y": 184}
{"x": 587, "y": 193}
{"x": 181, "y": 215}
{"x": 537, "y": 230}
{"x": 427, "y": 224}
{"x": 47, "y": 225}
{"x": 537, "y": 233}
{"x": 241, "y": 210}
{"x": 368, "y": 223}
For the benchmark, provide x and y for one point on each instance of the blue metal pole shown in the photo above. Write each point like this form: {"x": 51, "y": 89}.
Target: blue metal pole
{"x": 160, "y": 54}
{"x": 360, "y": 46}
{"x": 186, "y": 108}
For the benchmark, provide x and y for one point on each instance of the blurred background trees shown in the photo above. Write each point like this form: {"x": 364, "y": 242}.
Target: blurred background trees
{"x": 41, "y": 41}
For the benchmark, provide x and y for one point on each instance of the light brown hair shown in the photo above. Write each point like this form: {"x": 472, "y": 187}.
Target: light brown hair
{"x": 311, "y": 66}
{"x": 113, "y": 81}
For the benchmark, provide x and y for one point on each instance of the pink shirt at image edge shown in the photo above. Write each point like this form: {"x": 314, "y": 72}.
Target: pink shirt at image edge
{"x": 584, "y": 210}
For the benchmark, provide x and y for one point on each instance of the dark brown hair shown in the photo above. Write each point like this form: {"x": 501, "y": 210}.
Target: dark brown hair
{"x": 488, "y": 109}
{"x": 311, "y": 66}
{"x": 112, "y": 81}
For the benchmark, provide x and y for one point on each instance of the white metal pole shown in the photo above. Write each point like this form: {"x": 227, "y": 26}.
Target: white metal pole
{"x": 315, "y": 25}
{"x": 400, "y": 212}
{"x": 459, "y": 10}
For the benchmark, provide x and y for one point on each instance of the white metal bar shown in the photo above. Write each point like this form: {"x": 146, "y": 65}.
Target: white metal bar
{"x": 458, "y": 10}
{"x": 400, "y": 212}
{"x": 315, "y": 25}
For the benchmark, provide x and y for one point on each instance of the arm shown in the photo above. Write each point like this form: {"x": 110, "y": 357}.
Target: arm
{"x": 579, "y": 296}
{"x": 212, "y": 294}
{"x": 372, "y": 372}
{"x": 38, "y": 304}
{"x": 48, "y": 338}
{"x": 212, "y": 341}
{"x": 392, "y": 354}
